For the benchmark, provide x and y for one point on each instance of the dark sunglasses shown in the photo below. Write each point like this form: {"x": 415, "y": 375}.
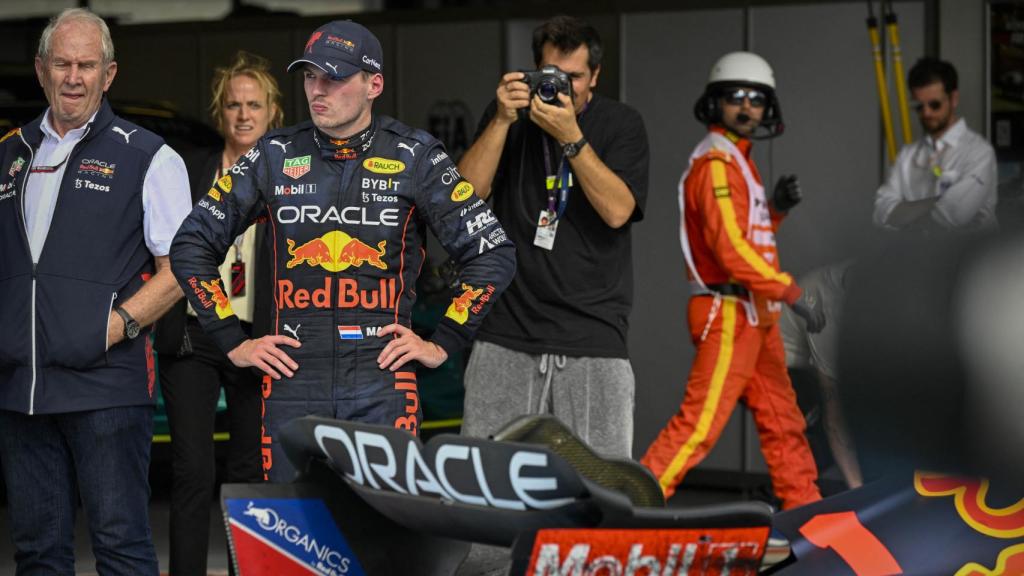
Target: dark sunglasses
{"x": 933, "y": 105}
{"x": 736, "y": 96}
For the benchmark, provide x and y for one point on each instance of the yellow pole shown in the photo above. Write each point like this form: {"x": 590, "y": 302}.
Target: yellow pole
{"x": 897, "y": 69}
{"x": 883, "y": 92}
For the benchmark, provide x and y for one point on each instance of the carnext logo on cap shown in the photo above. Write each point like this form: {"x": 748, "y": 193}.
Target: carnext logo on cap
{"x": 371, "y": 62}
{"x": 288, "y": 536}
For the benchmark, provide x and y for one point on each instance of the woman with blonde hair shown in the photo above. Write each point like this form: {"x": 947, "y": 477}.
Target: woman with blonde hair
{"x": 245, "y": 103}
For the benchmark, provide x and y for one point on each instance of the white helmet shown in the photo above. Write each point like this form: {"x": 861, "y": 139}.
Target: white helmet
{"x": 742, "y": 67}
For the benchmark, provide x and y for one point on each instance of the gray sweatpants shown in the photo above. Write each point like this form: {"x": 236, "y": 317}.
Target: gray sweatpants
{"x": 594, "y": 397}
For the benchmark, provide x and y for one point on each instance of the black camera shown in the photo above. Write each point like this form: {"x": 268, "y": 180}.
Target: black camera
{"x": 547, "y": 83}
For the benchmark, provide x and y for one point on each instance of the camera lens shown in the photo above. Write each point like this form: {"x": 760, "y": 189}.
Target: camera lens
{"x": 548, "y": 92}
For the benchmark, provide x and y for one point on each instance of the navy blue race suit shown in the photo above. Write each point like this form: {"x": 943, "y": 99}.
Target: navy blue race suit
{"x": 347, "y": 229}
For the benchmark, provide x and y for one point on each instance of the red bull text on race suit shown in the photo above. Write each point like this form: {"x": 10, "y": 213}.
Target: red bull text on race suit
{"x": 336, "y": 251}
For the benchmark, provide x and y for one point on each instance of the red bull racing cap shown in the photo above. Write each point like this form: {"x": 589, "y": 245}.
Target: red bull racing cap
{"x": 342, "y": 48}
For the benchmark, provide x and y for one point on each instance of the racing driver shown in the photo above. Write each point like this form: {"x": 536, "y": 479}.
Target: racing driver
{"x": 348, "y": 197}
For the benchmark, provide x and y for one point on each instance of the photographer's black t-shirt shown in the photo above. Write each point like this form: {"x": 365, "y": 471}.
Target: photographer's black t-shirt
{"x": 576, "y": 298}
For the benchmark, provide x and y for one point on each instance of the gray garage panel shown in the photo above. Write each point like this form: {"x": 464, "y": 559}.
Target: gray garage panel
{"x": 446, "y": 62}
{"x": 666, "y": 61}
{"x": 147, "y": 71}
{"x": 386, "y": 103}
{"x": 833, "y": 140}
{"x": 519, "y": 42}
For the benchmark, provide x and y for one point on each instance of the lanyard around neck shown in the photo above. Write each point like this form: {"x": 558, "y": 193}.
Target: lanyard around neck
{"x": 556, "y": 185}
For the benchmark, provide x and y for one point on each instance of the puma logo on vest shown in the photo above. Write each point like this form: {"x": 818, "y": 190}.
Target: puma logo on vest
{"x": 127, "y": 135}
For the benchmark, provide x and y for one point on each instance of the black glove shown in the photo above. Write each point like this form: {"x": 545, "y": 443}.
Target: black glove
{"x": 811, "y": 311}
{"x": 787, "y": 193}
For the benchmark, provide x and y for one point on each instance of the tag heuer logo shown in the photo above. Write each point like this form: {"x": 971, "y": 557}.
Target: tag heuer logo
{"x": 16, "y": 166}
{"x": 296, "y": 167}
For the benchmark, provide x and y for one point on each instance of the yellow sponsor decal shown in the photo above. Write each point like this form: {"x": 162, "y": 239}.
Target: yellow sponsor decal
{"x": 383, "y": 165}
{"x": 225, "y": 183}
{"x": 462, "y": 192}
{"x": 11, "y": 133}
{"x": 220, "y": 299}
{"x": 214, "y": 193}
{"x": 458, "y": 310}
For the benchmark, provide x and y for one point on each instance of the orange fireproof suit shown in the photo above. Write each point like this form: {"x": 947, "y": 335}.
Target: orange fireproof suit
{"x": 728, "y": 236}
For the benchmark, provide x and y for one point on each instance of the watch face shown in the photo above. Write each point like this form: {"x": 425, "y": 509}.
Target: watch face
{"x": 132, "y": 330}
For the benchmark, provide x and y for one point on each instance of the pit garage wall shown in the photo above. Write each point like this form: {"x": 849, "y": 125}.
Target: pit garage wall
{"x": 657, "y": 62}
{"x": 833, "y": 141}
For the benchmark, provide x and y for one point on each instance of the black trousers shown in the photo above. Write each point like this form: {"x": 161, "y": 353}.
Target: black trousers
{"x": 191, "y": 387}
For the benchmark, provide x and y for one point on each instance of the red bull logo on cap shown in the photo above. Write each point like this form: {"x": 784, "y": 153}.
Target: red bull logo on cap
{"x": 339, "y": 42}
{"x": 335, "y": 251}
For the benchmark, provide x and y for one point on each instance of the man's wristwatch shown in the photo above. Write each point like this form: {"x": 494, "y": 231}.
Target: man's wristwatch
{"x": 572, "y": 149}
{"x": 131, "y": 327}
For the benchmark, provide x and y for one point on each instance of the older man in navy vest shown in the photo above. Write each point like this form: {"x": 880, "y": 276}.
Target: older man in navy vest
{"x": 88, "y": 205}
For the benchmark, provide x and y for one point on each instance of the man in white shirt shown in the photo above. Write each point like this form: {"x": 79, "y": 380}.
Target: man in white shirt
{"x": 947, "y": 179}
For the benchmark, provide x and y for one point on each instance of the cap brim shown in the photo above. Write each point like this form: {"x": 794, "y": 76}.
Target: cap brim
{"x": 339, "y": 72}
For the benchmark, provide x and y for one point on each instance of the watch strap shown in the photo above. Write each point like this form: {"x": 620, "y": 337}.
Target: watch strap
{"x": 128, "y": 321}
{"x": 572, "y": 149}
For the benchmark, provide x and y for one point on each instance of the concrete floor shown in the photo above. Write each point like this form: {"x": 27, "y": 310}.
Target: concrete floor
{"x": 159, "y": 514}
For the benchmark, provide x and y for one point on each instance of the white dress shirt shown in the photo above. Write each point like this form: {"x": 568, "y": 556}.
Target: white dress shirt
{"x": 959, "y": 168}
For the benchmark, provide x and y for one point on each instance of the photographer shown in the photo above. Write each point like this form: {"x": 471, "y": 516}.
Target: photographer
{"x": 567, "y": 172}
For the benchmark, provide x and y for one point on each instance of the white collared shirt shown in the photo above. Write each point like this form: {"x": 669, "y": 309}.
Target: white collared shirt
{"x": 959, "y": 168}
{"x": 166, "y": 199}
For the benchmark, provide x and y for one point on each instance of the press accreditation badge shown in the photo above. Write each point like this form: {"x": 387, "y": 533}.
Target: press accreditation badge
{"x": 547, "y": 226}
